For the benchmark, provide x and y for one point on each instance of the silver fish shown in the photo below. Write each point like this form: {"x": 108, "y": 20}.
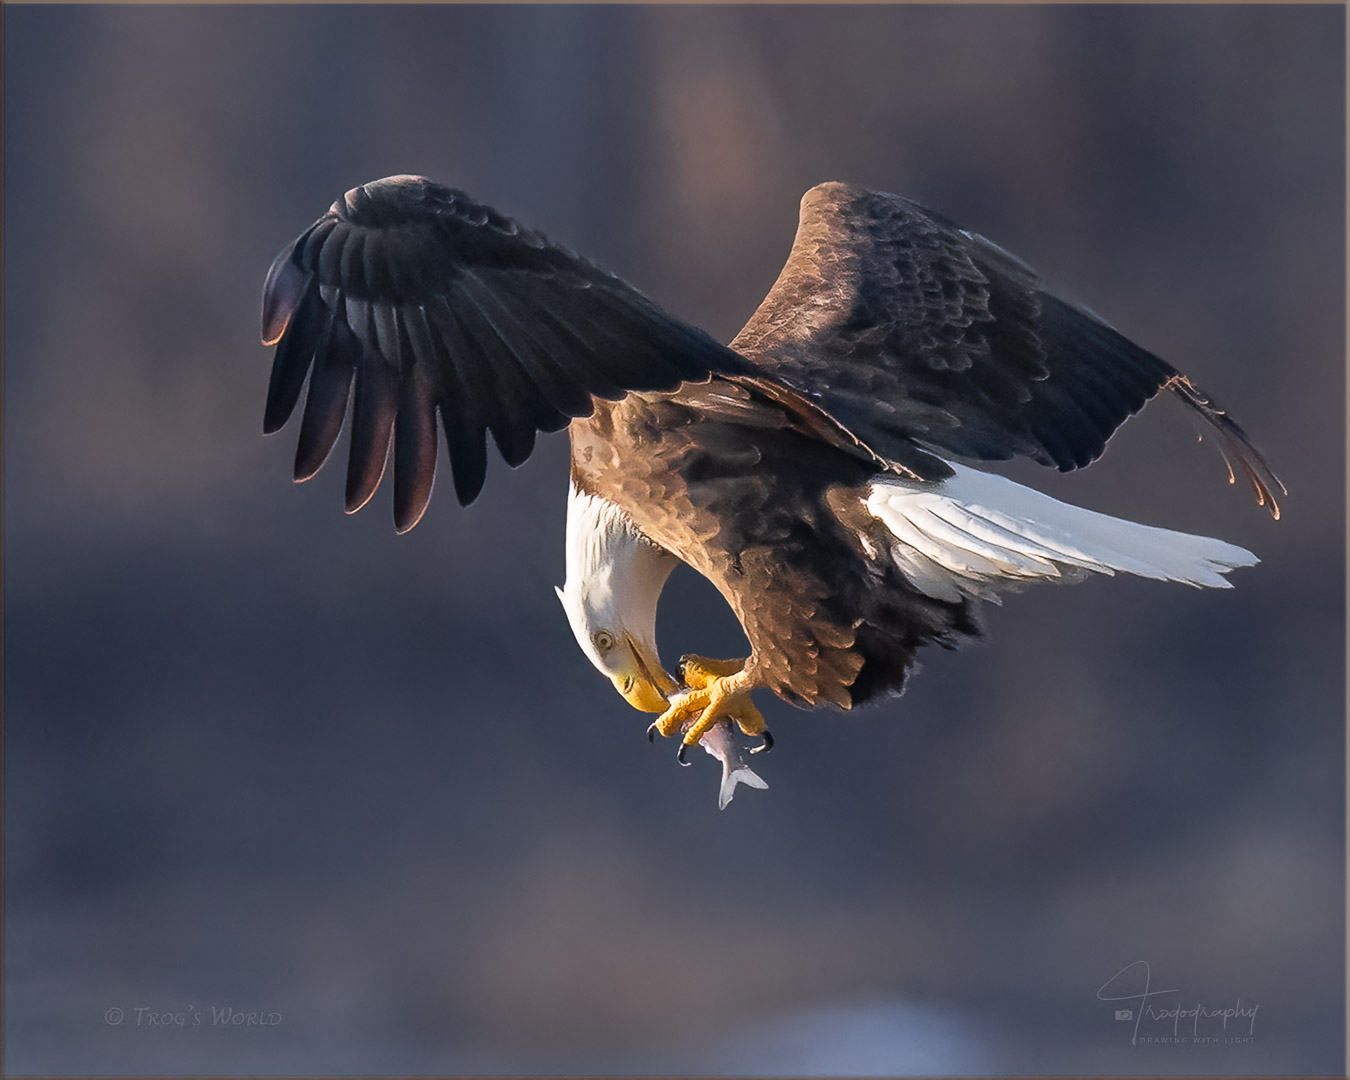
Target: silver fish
{"x": 720, "y": 741}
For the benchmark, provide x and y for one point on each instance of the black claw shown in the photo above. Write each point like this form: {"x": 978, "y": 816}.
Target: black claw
{"x": 651, "y": 733}
{"x": 765, "y": 746}
{"x": 679, "y": 754}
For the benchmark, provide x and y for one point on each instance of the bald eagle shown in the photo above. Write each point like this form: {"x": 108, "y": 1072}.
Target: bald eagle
{"x": 818, "y": 470}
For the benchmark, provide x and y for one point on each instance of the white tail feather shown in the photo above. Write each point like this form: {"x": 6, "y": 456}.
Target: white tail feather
{"x": 975, "y": 533}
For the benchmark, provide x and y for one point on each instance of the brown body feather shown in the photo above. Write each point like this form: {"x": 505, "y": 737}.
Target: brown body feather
{"x": 731, "y": 479}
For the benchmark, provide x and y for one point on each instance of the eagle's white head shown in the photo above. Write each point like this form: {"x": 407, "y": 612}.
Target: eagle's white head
{"x": 614, "y": 579}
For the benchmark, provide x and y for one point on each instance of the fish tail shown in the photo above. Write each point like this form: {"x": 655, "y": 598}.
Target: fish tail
{"x": 742, "y": 774}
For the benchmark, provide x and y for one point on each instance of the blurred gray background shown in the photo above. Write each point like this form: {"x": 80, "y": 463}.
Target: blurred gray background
{"x": 265, "y": 757}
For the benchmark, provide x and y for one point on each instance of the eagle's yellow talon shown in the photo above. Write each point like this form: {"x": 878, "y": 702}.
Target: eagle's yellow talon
{"x": 699, "y": 671}
{"x": 691, "y": 703}
{"x": 718, "y": 689}
{"x": 749, "y": 719}
{"x": 702, "y": 673}
{"x": 706, "y": 719}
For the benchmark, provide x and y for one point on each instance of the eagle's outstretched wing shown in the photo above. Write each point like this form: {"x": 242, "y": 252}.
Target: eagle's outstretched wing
{"x": 428, "y": 300}
{"x": 917, "y": 335}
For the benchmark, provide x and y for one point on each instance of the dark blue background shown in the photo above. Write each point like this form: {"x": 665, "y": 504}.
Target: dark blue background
{"x": 263, "y": 756}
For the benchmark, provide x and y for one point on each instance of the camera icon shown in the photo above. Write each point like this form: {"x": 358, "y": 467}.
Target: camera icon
{"x": 1124, "y": 1014}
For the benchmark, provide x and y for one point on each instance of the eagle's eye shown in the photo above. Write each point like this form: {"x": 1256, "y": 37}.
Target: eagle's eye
{"x": 604, "y": 641}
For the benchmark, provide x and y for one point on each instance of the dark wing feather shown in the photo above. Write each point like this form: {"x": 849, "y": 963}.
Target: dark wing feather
{"x": 921, "y": 338}
{"x": 414, "y": 449}
{"x": 373, "y": 413}
{"x": 435, "y": 303}
{"x": 293, "y": 358}
{"x": 330, "y": 386}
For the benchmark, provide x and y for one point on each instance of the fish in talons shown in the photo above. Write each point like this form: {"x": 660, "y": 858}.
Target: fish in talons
{"x": 720, "y": 741}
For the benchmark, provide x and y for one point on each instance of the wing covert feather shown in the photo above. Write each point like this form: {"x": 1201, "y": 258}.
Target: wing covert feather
{"x": 920, "y": 336}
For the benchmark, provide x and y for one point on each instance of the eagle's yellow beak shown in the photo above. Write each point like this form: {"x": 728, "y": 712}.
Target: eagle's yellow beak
{"x": 643, "y": 682}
